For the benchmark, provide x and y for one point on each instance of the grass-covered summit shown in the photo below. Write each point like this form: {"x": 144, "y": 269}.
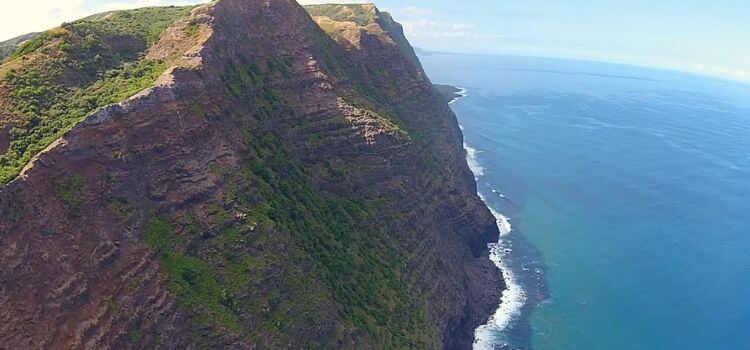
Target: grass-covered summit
{"x": 362, "y": 14}
{"x": 348, "y": 22}
{"x": 53, "y": 80}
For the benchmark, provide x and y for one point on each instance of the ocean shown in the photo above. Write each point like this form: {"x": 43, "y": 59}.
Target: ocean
{"x": 623, "y": 198}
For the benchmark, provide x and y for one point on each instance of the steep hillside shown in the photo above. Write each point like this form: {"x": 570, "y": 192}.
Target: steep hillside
{"x": 54, "y": 80}
{"x": 8, "y": 47}
{"x": 266, "y": 181}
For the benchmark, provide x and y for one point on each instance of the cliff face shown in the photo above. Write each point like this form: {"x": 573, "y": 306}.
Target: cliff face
{"x": 289, "y": 182}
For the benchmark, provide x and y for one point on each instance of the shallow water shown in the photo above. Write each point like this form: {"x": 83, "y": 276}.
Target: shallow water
{"x": 628, "y": 192}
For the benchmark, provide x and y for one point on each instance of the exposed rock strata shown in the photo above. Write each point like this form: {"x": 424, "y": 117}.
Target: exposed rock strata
{"x": 77, "y": 273}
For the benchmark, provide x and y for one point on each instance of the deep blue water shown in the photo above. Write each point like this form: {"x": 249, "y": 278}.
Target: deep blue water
{"x": 628, "y": 191}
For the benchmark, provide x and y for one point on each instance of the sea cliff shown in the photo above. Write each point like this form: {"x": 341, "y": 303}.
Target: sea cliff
{"x": 289, "y": 179}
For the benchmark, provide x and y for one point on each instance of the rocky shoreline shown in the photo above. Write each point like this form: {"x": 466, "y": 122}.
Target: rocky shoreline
{"x": 450, "y": 93}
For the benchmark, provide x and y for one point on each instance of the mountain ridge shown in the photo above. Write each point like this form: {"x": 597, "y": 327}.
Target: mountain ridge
{"x": 252, "y": 179}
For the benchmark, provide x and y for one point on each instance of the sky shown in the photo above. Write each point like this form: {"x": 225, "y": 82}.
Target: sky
{"x": 709, "y": 37}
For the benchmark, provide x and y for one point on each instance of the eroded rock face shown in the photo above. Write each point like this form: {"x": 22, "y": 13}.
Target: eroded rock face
{"x": 198, "y": 213}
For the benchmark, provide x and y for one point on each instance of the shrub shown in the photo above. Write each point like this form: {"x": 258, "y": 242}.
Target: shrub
{"x": 71, "y": 191}
{"x": 75, "y": 74}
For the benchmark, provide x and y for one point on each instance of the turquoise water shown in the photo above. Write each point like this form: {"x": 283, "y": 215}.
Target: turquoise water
{"x": 628, "y": 191}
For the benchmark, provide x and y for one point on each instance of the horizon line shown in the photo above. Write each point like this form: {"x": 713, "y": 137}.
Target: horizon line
{"x": 718, "y": 77}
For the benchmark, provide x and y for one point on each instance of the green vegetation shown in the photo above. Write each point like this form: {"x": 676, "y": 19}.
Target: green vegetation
{"x": 246, "y": 80}
{"x": 362, "y": 14}
{"x": 70, "y": 192}
{"x": 198, "y": 109}
{"x": 53, "y": 111}
{"x": 36, "y": 43}
{"x": 276, "y": 253}
{"x": 120, "y": 207}
{"x": 11, "y": 211}
{"x": 328, "y": 230}
{"x": 135, "y": 335}
{"x": 8, "y": 47}
{"x": 192, "y": 29}
{"x": 192, "y": 279}
{"x": 114, "y": 307}
{"x": 283, "y": 243}
{"x": 75, "y": 70}
{"x": 388, "y": 123}
{"x": 144, "y": 23}
{"x": 348, "y": 254}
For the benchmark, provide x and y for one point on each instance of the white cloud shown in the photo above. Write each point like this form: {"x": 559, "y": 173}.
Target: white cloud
{"x": 20, "y": 17}
{"x": 25, "y": 16}
{"x": 431, "y": 29}
{"x": 415, "y": 11}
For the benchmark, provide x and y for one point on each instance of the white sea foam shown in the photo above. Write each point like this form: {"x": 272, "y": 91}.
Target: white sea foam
{"x": 498, "y": 193}
{"x": 471, "y": 159}
{"x": 503, "y": 222}
{"x": 487, "y": 336}
{"x": 462, "y": 92}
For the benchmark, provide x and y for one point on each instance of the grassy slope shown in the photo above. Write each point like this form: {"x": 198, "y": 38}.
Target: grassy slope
{"x": 363, "y": 14}
{"x": 8, "y": 47}
{"x": 53, "y": 81}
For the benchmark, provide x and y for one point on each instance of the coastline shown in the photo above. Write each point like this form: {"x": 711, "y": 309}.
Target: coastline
{"x": 513, "y": 298}
{"x": 450, "y": 93}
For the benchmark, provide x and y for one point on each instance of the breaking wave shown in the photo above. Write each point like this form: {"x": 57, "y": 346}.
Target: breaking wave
{"x": 490, "y": 335}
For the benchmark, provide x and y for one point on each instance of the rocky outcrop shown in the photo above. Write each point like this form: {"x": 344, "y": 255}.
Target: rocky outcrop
{"x": 449, "y": 93}
{"x": 281, "y": 187}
